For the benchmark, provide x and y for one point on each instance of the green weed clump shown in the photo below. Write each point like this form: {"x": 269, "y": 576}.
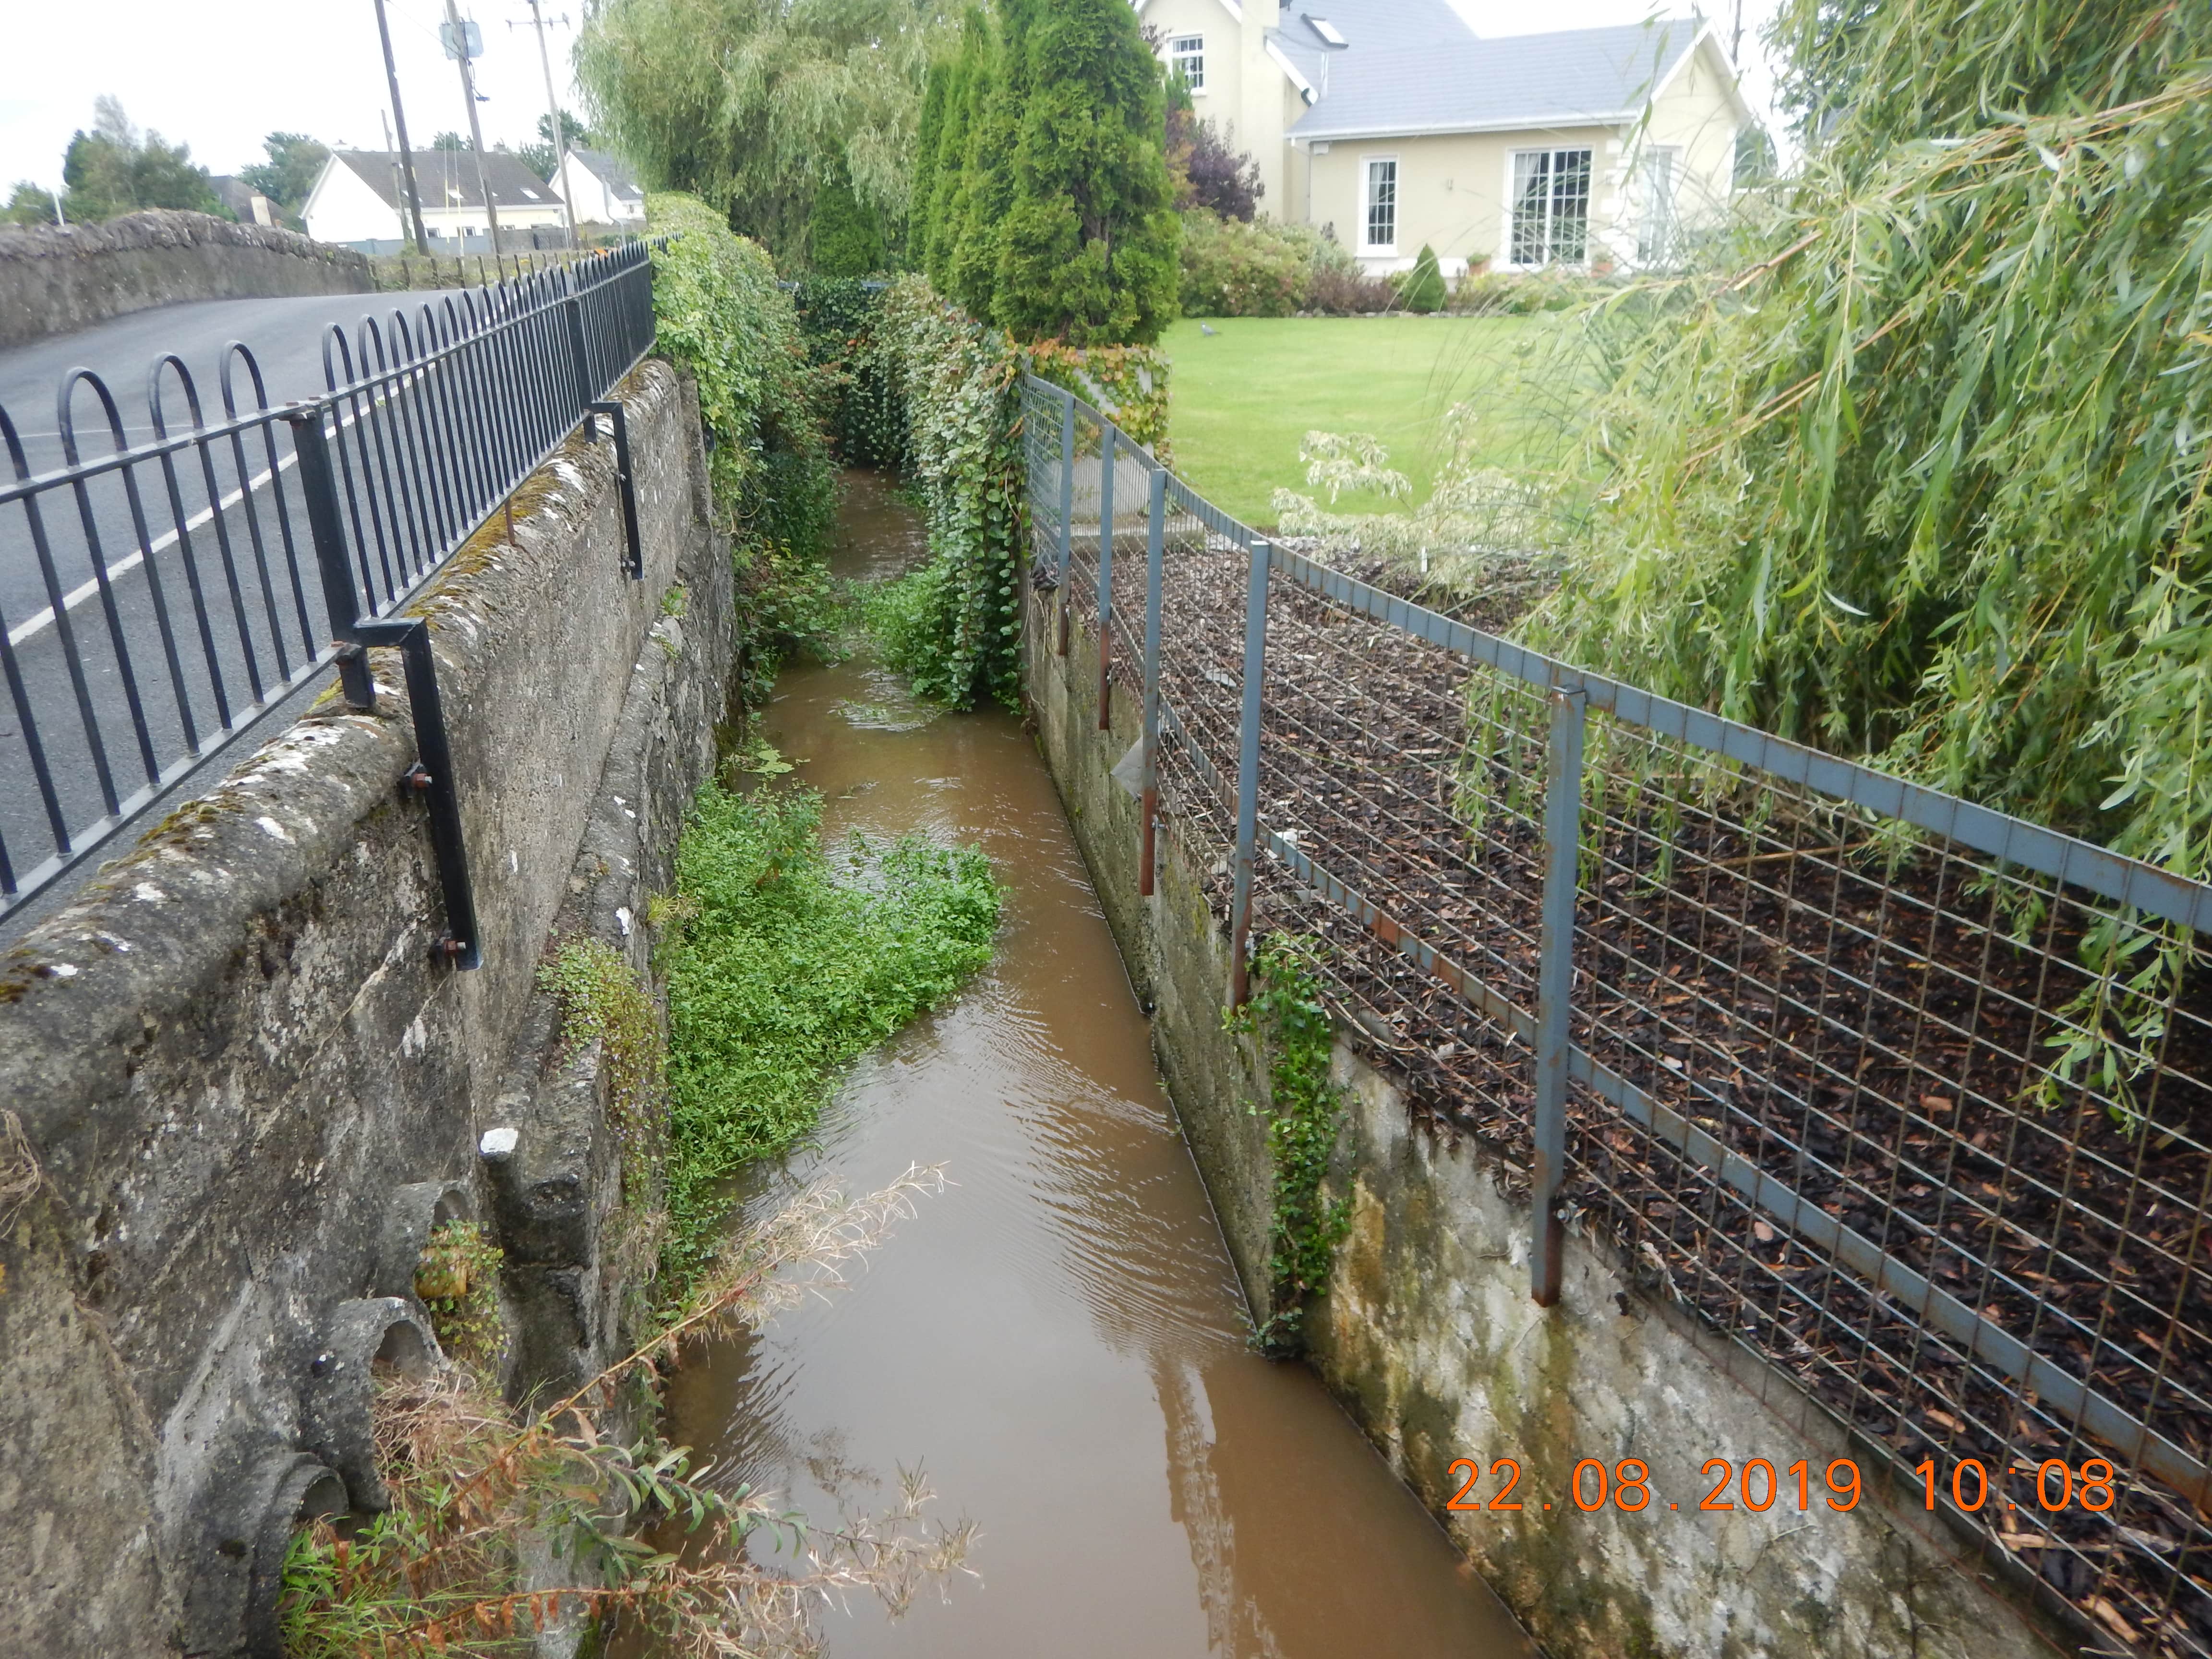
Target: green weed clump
{"x": 1305, "y": 1115}
{"x": 780, "y": 971}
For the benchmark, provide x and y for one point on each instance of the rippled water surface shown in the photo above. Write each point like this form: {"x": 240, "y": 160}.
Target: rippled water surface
{"x": 1058, "y": 1337}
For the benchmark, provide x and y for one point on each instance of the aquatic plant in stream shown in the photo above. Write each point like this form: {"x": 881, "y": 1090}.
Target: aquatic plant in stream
{"x": 781, "y": 970}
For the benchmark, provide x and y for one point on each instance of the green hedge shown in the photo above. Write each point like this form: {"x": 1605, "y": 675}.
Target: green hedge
{"x": 726, "y": 321}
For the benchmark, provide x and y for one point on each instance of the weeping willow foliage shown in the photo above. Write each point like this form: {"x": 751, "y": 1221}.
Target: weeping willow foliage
{"x": 754, "y": 105}
{"x": 1918, "y": 468}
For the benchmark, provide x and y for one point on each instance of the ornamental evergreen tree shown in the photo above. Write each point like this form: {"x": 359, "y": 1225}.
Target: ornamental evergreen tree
{"x": 1425, "y": 283}
{"x": 930, "y": 129}
{"x": 969, "y": 81}
{"x": 1090, "y": 233}
{"x": 987, "y": 189}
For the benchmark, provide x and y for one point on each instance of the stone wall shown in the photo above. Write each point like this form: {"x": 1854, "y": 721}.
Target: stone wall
{"x": 1429, "y": 1338}
{"x": 241, "y": 1087}
{"x": 56, "y": 279}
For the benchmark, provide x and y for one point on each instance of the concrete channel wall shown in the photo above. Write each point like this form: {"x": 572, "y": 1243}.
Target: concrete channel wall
{"x": 239, "y": 1087}
{"x": 56, "y": 279}
{"x": 1429, "y": 1338}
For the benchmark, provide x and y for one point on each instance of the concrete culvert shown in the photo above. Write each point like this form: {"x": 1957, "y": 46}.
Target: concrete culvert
{"x": 413, "y": 1212}
{"x": 336, "y": 1404}
{"x": 288, "y": 1489}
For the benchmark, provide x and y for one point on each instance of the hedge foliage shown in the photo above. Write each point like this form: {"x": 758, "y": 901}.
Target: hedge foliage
{"x": 723, "y": 318}
{"x": 958, "y": 387}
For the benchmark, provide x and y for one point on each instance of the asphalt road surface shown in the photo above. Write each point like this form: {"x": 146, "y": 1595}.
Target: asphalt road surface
{"x": 211, "y": 615}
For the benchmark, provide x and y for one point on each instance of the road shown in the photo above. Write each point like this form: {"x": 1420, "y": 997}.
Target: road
{"x": 212, "y": 607}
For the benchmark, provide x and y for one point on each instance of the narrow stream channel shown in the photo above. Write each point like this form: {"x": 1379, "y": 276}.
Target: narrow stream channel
{"x": 1058, "y": 1337}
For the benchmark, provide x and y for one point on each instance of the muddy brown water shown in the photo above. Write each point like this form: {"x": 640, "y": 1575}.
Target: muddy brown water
{"x": 1058, "y": 1338}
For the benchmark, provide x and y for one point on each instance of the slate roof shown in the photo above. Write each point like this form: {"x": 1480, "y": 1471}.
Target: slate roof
{"x": 1399, "y": 74}
{"x": 448, "y": 178}
{"x": 612, "y": 172}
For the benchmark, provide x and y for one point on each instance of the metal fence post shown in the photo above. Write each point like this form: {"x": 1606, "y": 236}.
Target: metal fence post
{"x": 1555, "y": 978}
{"x": 1155, "y": 541}
{"x": 1066, "y": 503}
{"x": 1105, "y": 575}
{"x": 1248, "y": 774}
{"x": 319, "y": 488}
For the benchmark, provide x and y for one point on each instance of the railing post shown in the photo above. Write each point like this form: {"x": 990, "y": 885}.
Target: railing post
{"x": 1555, "y": 978}
{"x": 318, "y": 487}
{"x": 1105, "y": 575}
{"x": 1248, "y": 774}
{"x": 1155, "y": 541}
{"x": 1066, "y": 503}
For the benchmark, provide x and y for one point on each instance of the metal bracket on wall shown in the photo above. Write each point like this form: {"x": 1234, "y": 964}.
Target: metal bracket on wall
{"x": 619, "y": 418}
{"x": 410, "y": 636}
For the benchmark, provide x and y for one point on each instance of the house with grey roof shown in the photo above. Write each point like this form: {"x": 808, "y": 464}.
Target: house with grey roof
{"x": 1393, "y": 125}
{"x": 602, "y": 189}
{"x": 358, "y": 197}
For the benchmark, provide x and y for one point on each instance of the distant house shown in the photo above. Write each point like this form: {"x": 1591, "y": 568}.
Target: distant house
{"x": 241, "y": 201}
{"x": 605, "y": 191}
{"x": 359, "y": 199}
{"x": 1391, "y": 123}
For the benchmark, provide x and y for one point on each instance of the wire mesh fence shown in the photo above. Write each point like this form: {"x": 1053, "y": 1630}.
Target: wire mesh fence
{"x": 1906, "y": 1096}
{"x": 159, "y": 594}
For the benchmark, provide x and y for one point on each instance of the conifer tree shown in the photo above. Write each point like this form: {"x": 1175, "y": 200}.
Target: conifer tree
{"x": 1090, "y": 232}
{"x": 928, "y": 132}
{"x": 968, "y": 80}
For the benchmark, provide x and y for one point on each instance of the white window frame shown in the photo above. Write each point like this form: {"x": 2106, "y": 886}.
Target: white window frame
{"x": 1367, "y": 166}
{"x": 1185, "y": 51}
{"x": 1654, "y": 213}
{"x": 1513, "y": 187}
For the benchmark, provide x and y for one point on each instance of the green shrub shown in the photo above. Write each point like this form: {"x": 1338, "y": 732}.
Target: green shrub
{"x": 1522, "y": 294}
{"x": 907, "y": 617}
{"x": 780, "y": 972}
{"x": 1422, "y": 288}
{"x": 1230, "y": 268}
{"x": 723, "y": 318}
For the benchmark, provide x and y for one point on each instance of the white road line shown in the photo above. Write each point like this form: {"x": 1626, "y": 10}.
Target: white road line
{"x": 76, "y": 596}
{"x": 32, "y": 626}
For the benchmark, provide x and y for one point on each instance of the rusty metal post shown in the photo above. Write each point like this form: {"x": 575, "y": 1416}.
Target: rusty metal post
{"x": 1555, "y": 978}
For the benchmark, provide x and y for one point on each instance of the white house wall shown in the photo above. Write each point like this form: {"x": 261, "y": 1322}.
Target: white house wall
{"x": 342, "y": 208}
{"x": 1452, "y": 189}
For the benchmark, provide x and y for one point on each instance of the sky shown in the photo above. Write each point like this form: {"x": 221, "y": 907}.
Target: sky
{"x": 217, "y": 74}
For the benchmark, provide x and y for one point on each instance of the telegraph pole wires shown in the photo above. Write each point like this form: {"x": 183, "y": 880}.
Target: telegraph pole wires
{"x": 400, "y": 120}
{"x": 464, "y": 41}
{"x": 553, "y": 124}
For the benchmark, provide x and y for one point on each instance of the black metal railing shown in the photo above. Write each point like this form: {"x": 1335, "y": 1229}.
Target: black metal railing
{"x": 1910, "y": 1098}
{"x": 157, "y": 598}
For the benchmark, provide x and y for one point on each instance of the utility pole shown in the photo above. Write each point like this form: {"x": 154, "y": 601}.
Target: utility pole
{"x": 460, "y": 48}
{"x": 1735, "y": 46}
{"x": 553, "y": 119}
{"x": 399, "y": 188}
{"x": 400, "y": 120}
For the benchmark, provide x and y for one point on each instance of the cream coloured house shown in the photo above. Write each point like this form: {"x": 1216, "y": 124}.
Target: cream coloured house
{"x": 1393, "y": 125}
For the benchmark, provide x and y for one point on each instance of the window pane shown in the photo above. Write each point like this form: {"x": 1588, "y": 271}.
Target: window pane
{"x": 1187, "y": 58}
{"x": 1570, "y": 178}
{"x": 1655, "y": 246}
{"x": 1531, "y": 175}
{"x": 1381, "y": 203}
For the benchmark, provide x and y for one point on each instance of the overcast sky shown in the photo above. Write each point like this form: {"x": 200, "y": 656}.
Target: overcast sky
{"x": 219, "y": 74}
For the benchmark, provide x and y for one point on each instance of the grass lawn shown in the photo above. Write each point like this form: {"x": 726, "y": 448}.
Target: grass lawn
{"x": 1241, "y": 400}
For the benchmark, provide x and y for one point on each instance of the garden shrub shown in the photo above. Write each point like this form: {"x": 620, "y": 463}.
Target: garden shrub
{"x": 1231, "y": 269}
{"x": 1423, "y": 288}
{"x": 1520, "y": 294}
{"x": 1128, "y": 384}
{"x": 1339, "y": 286}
